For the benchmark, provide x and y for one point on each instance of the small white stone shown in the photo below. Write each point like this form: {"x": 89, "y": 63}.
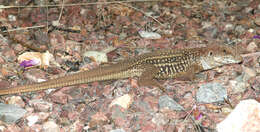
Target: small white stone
{"x": 226, "y": 110}
{"x": 244, "y": 118}
{"x": 124, "y": 101}
{"x": 15, "y": 100}
{"x": 229, "y": 26}
{"x": 32, "y": 120}
{"x": 50, "y": 126}
{"x": 117, "y": 130}
{"x": 248, "y": 9}
{"x": 252, "y": 47}
{"x": 55, "y": 23}
{"x": 47, "y": 57}
{"x": 149, "y": 35}
{"x": 1, "y": 8}
{"x": 82, "y": 11}
{"x": 98, "y": 56}
{"x": 11, "y": 18}
{"x": 2, "y": 128}
{"x": 206, "y": 24}
{"x": 238, "y": 87}
{"x": 160, "y": 119}
{"x": 251, "y": 30}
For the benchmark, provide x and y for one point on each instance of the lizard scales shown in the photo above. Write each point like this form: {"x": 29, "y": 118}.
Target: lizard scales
{"x": 148, "y": 67}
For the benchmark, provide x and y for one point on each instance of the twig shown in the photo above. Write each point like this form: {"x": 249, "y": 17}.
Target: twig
{"x": 47, "y": 18}
{"x": 62, "y": 6}
{"x": 24, "y": 28}
{"x": 80, "y": 4}
{"x": 142, "y": 12}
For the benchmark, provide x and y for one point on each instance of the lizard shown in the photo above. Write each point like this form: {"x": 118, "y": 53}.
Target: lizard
{"x": 149, "y": 67}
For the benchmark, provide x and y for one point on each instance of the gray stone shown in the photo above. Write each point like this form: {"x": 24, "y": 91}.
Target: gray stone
{"x": 159, "y": 119}
{"x": 11, "y": 113}
{"x": 168, "y": 103}
{"x": 118, "y": 130}
{"x": 211, "y": 92}
{"x": 149, "y": 35}
{"x": 240, "y": 29}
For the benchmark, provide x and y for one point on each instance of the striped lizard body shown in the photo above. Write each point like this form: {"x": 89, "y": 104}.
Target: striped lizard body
{"x": 148, "y": 67}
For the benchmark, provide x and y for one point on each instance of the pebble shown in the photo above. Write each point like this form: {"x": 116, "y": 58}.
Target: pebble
{"x": 191, "y": 33}
{"x": 11, "y": 113}
{"x": 248, "y": 73}
{"x": 122, "y": 36}
{"x": 257, "y": 21}
{"x": 59, "y": 97}
{"x": 11, "y": 18}
{"x": 98, "y": 119}
{"x": 256, "y": 83}
{"x": 206, "y": 25}
{"x": 210, "y": 93}
{"x": 226, "y": 110}
{"x": 252, "y": 47}
{"x": 124, "y": 101}
{"x": 149, "y": 35}
{"x": 251, "y": 30}
{"x": 159, "y": 119}
{"x": 181, "y": 20}
{"x": 229, "y": 27}
{"x": 244, "y": 118}
{"x": 38, "y": 117}
{"x": 118, "y": 130}
{"x": 165, "y": 102}
{"x": 31, "y": 120}
{"x": 97, "y": 56}
{"x": 258, "y": 31}
{"x": 238, "y": 86}
{"x": 15, "y": 100}
{"x": 40, "y": 105}
{"x": 240, "y": 29}
{"x": 50, "y": 126}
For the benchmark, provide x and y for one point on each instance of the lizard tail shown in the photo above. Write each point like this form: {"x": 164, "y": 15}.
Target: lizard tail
{"x": 97, "y": 74}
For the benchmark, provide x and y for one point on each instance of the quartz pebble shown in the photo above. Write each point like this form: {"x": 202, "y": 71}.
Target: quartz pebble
{"x": 244, "y": 118}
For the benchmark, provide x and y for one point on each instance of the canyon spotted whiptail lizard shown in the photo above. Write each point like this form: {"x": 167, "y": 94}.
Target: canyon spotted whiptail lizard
{"x": 148, "y": 67}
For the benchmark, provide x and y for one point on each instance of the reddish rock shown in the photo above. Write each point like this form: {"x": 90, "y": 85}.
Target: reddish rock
{"x": 181, "y": 20}
{"x": 41, "y": 105}
{"x": 98, "y": 119}
{"x": 59, "y": 97}
{"x": 15, "y": 100}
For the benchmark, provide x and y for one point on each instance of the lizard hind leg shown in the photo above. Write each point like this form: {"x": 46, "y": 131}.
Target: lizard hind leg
{"x": 147, "y": 78}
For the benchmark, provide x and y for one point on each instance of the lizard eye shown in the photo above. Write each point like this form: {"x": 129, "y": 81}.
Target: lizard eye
{"x": 210, "y": 53}
{"x": 225, "y": 51}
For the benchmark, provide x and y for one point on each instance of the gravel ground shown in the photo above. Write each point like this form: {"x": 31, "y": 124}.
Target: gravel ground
{"x": 75, "y": 35}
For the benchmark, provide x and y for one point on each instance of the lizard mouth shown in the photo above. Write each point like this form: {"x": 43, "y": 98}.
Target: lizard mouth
{"x": 219, "y": 61}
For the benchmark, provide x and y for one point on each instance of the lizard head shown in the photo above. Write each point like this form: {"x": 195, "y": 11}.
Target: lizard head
{"x": 218, "y": 55}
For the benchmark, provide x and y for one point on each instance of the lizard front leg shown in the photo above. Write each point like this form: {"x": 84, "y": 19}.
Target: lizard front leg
{"x": 190, "y": 73}
{"x": 147, "y": 78}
